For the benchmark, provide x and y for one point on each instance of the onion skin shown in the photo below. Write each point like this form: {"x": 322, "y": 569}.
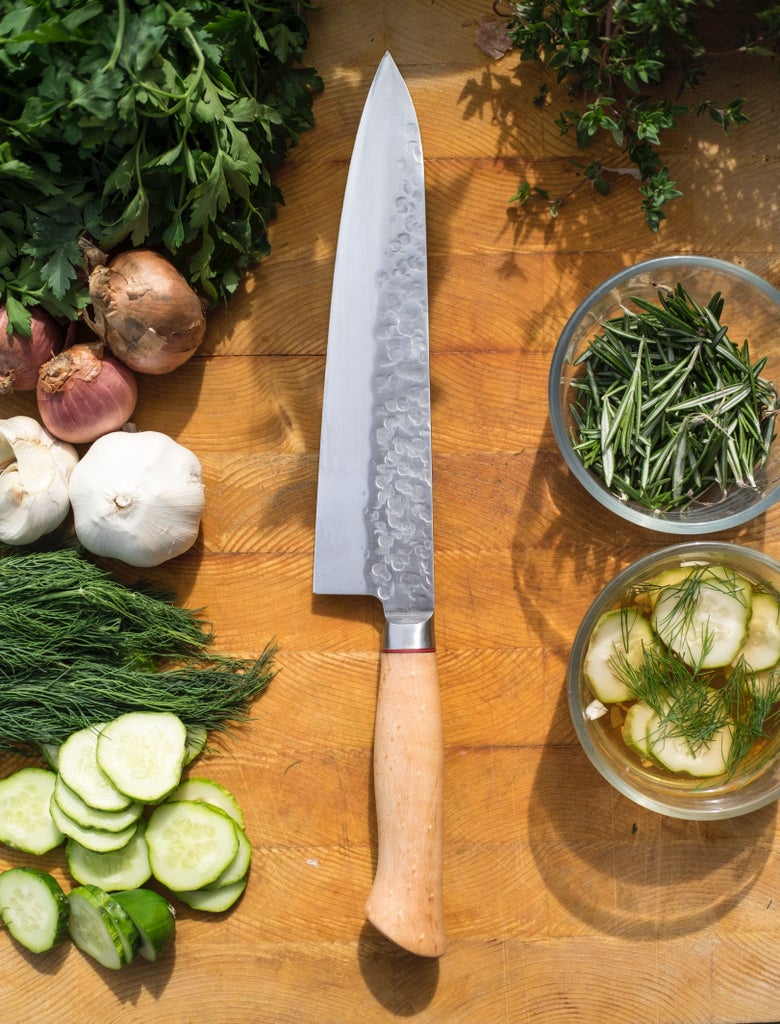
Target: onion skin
{"x": 83, "y": 394}
{"x": 145, "y": 312}
{"x": 21, "y": 357}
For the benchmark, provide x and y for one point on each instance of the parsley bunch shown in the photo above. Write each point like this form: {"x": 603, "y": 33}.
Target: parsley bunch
{"x": 617, "y": 59}
{"x": 143, "y": 122}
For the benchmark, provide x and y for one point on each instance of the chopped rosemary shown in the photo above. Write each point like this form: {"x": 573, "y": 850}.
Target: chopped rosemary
{"x": 80, "y": 647}
{"x": 669, "y": 407}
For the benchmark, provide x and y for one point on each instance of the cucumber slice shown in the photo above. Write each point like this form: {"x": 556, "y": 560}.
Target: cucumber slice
{"x": 704, "y": 617}
{"x": 676, "y": 753}
{"x": 154, "y": 918}
{"x": 50, "y": 752}
{"x": 209, "y": 792}
{"x": 80, "y": 771}
{"x": 197, "y": 737}
{"x": 33, "y": 908}
{"x": 126, "y": 868}
{"x": 190, "y": 844}
{"x": 26, "y": 821}
{"x": 77, "y": 810}
{"x": 761, "y": 649}
{"x": 239, "y": 866}
{"x": 635, "y": 728}
{"x": 101, "y": 928}
{"x": 214, "y": 901}
{"x": 619, "y": 634}
{"x": 93, "y": 838}
{"x": 142, "y": 752}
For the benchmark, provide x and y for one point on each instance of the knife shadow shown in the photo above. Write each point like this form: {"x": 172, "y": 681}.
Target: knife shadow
{"x": 617, "y": 867}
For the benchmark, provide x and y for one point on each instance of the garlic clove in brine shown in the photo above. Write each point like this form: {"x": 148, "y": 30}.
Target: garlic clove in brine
{"x": 34, "y": 472}
{"x": 137, "y": 497}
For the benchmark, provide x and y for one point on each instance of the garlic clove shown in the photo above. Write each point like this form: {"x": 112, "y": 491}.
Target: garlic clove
{"x": 138, "y": 497}
{"x": 34, "y": 498}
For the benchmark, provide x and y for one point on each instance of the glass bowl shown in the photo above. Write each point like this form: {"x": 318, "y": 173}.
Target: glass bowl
{"x": 677, "y": 795}
{"x": 751, "y": 311}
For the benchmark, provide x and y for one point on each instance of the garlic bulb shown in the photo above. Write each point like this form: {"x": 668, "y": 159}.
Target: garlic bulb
{"x": 138, "y": 497}
{"x": 34, "y": 472}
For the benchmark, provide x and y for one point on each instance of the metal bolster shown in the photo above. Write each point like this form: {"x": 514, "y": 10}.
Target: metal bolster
{"x": 409, "y": 636}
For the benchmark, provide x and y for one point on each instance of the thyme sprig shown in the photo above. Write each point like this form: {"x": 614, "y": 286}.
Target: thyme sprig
{"x": 668, "y": 406}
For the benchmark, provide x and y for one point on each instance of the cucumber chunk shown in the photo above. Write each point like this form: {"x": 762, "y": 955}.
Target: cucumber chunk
{"x": 33, "y": 908}
{"x": 620, "y": 634}
{"x": 87, "y": 817}
{"x": 209, "y": 792}
{"x": 761, "y": 649}
{"x": 126, "y": 868}
{"x": 142, "y": 753}
{"x": 26, "y": 821}
{"x": 239, "y": 866}
{"x": 190, "y": 844}
{"x": 80, "y": 771}
{"x": 93, "y": 838}
{"x": 154, "y": 918}
{"x": 101, "y": 928}
{"x": 214, "y": 901}
{"x": 635, "y": 727}
{"x": 678, "y": 754}
{"x": 704, "y": 617}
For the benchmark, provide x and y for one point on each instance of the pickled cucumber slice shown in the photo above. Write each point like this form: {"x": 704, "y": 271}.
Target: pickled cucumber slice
{"x": 635, "y": 726}
{"x": 761, "y": 649}
{"x": 620, "y": 634}
{"x": 679, "y": 754}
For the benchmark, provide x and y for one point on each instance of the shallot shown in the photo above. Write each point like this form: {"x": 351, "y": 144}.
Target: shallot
{"x": 83, "y": 394}
{"x": 20, "y": 356}
{"x": 144, "y": 311}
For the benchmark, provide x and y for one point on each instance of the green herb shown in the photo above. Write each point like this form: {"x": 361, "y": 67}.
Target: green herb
{"x": 79, "y": 648}
{"x": 619, "y": 60}
{"x": 668, "y": 406}
{"x": 143, "y": 122}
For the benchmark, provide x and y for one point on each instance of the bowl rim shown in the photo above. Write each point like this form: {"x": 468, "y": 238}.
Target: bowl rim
{"x": 608, "y": 500}
{"x": 686, "y": 550}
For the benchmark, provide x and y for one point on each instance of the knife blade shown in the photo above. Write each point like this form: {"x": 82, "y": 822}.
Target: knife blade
{"x": 374, "y": 519}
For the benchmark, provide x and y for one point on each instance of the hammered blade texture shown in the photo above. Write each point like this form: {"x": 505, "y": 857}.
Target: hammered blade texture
{"x": 401, "y": 506}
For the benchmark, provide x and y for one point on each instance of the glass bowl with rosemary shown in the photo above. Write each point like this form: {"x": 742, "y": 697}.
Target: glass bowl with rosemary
{"x": 663, "y": 394}
{"x": 674, "y": 681}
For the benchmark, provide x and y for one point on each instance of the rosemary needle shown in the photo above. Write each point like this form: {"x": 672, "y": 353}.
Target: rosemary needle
{"x": 668, "y": 407}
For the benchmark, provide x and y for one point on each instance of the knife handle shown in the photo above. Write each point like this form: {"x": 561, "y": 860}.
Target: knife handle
{"x": 405, "y": 902}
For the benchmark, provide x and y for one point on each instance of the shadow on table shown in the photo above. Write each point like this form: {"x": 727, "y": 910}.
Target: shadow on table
{"x": 402, "y": 982}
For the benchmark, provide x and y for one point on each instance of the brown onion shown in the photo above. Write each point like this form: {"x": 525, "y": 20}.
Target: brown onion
{"x": 83, "y": 394}
{"x": 145, "y": 311}
{"x": 21, "y": 356}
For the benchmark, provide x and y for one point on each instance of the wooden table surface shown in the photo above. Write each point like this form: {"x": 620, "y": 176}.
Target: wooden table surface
{"x": 564, "y": 902}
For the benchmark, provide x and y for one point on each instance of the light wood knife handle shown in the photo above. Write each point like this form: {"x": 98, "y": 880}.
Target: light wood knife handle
{"x": 405, "y": 902}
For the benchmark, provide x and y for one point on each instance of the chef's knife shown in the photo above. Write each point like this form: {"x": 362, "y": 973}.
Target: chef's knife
{"x": 374, "y": 528}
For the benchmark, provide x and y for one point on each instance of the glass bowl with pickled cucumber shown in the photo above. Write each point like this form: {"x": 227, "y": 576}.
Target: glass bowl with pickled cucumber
{"x": 674, "y": 681}
{"x": 663, "y": 394}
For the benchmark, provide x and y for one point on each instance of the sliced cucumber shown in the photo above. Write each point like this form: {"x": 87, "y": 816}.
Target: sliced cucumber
{"x": 154, "y": 918}
{"x": 50, "y": 752}
{"x": 26, "y": 821}
{"x": 77, "y": 810}
{"x": 142, "y": 752}
{"x": 209, "y": 792}
{"x": 704, "y": 617}
{"x": 126, "y": 868}
{"x": 623, "y": 634}
{"x": 34, "y": 908}
{"x": 197, "y": 737}
{"x": 678, "y": 754}
{"x": 190, "y": 844}
{"x": 635, "y": 727}
{"x": 80, "y": 771}
{"x": 239, "y": 866}
{"x": 214, "y": 901}
{"x": 761, "y": 649}
{"x": 101, "y": 928}
{"x": 93, "y": 838}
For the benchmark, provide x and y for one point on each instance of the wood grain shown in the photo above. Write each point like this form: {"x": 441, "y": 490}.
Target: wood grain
{"x": 563, "y": 902}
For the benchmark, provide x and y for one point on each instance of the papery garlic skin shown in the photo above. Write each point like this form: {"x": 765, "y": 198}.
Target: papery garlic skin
{"x": 137, "y": 497}
{"x": 34, "y": 473}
